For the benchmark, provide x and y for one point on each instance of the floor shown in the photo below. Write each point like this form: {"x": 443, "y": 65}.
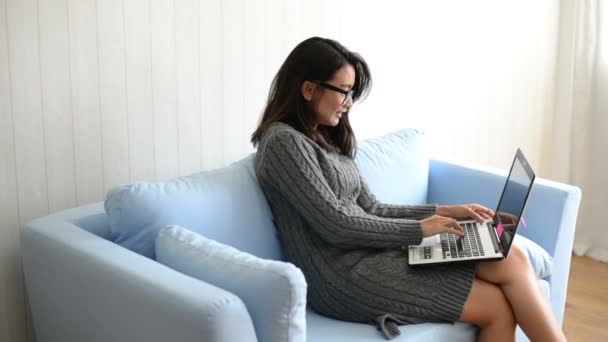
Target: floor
{"x": 586, "y": 316}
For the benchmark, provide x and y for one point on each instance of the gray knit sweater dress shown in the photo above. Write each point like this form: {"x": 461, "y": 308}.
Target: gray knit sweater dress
{"x": 351, "y": 248}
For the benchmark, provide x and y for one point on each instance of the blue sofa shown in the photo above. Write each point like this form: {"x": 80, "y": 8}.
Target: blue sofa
{"x": 89, "y": 279}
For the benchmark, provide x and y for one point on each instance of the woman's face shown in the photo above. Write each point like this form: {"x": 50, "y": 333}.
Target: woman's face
{"x": 329, "y": 107}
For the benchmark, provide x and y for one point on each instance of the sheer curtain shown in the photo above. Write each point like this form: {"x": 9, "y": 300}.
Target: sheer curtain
{"x": 578, "y": 146}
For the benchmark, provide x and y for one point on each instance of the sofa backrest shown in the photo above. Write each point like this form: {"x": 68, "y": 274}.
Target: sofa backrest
{"x": 228, "y": 205}
{"x": 396, "y": 166}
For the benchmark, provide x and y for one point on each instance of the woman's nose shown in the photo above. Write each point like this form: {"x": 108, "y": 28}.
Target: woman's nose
{"x": 349, "y": 103}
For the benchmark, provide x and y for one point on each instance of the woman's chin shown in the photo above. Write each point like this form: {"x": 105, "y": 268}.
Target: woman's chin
{"x": 337, "y": 119}
{"x": 332, "y": 122}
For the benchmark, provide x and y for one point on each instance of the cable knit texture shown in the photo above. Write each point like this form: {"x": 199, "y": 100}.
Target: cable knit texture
{"x": 351, "y": 248}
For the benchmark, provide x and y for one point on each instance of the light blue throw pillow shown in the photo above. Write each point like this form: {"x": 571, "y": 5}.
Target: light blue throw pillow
{"x": 396, "y": 166}
{"x": 225, "y": 204}
{"x": 273, "y": 291}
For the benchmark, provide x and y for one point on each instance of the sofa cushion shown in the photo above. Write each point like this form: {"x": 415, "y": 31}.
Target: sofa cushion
{"x": 325, "y": 329}
{"x": 273, "y": 291}
{"x": 396, "y": 166}
{"x": 226, "y": 205}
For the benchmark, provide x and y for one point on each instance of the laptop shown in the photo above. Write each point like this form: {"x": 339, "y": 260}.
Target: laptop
{"x": 487, "y": 241}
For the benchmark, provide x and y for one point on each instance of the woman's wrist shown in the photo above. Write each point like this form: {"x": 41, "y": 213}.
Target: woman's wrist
{"x": 442, "y": 210}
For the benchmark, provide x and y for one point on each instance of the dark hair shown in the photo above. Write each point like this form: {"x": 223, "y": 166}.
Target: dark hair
{"x": 313, "y": 59}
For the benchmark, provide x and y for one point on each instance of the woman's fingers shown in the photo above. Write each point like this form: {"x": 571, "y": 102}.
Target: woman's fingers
{"x": 440, "y": 224}
{"x": 455, "y": 228}
{"x": 488, "y": 212}
{"x": 475, "y": 215}
{"x": 484, "y": 212}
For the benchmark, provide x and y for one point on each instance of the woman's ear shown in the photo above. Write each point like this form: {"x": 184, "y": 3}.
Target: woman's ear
{"x": 308, "y": 89}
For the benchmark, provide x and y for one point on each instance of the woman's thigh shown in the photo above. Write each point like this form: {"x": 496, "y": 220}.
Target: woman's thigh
{"x": 502, "y": 272}
{"x": 485, "y": 304}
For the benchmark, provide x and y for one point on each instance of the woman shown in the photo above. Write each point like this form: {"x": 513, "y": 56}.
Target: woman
{"x": 352, "y": 248}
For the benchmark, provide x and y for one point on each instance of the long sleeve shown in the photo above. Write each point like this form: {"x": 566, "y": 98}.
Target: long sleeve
{"x": 290, "y": 167}
{"x": 372, "y": 206}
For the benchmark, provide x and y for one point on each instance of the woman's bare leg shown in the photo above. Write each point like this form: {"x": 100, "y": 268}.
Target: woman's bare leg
{"x": 519, "y": 283}
{"x": 488, "y": 308}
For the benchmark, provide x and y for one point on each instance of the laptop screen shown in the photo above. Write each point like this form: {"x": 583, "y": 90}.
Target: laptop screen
{"x": 513, "y": 200}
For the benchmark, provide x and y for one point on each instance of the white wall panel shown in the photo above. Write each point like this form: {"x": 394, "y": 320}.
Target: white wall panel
{"x": 212, "y": 65}
{"x": 27, "y": 109}
{"x": 187, "y": 36}
{"x": 331, "y": 15}
{"x": 256, "y": 81}
{"x": 164, "y": 89}
{"x": 274, "y": 37}
{"x": 139, "y": 89}
{"x": 84, "y": 67}
{"x": 296, "y": 23}
{"x": 29, "y": 132}
{"x": 56, "y": 103}
{"x": 112, "y": 93}
{"x": 12, "y": 316}
{"x": 233, "y": 93}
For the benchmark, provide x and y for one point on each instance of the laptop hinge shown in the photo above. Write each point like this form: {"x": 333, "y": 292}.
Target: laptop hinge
{"x": 494, "y": 237}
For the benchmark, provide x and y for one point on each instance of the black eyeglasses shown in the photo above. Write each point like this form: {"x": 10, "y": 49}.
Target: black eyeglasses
{"x": 348, "y": 93}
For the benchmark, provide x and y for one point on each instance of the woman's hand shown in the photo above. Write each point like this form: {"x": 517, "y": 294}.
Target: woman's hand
{"x": 467, "y": 211}
{"x": 439, "y": 224}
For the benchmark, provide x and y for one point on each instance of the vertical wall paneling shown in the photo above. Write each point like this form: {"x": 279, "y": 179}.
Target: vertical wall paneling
{"x": 187, "y": 39}
{"x": 233, "y": 129}
{"x": 112, "y": 92}
{"x": 256, "y": 81}
{"x": 274, "y": 39}
{"x": 139, "y": 89}
{"x": 295, "y": 24}
{"x": 27, "y": 110}
{"x": 313, "y": 16}
{"x": 84, "y": 71}
{"x": 56, "y": 103}
{"x": 212, "y": 61}
{"x": 12, "y": 327}
{"x": 331, "y": 18}
{"x": 164, "y": 88}
{"x": 29, "y": 130}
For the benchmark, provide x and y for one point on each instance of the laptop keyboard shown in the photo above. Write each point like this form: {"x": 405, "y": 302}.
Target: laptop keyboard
{"x": 467, "y": 246}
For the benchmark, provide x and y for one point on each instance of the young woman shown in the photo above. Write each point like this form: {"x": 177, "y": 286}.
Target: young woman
{"x": 351, "y": 248}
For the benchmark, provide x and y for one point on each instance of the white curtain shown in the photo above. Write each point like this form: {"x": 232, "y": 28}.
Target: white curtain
{"x": 578, "y": 146}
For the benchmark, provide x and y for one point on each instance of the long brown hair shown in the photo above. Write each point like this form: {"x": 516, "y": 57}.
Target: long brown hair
{"x": 313, "y": 59}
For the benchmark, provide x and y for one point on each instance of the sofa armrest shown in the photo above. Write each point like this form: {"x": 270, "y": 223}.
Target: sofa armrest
{"x": 550, "y": 213}
{"x": 84, "y": 288}
{"x": 273, "y": 291}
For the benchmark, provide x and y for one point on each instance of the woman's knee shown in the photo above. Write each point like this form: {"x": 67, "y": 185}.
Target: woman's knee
{"x": 517, "y": 253}
{"x": 488, "y": 305}
{"x": 515, "y": 265}
{"x": 519, "y": 258}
